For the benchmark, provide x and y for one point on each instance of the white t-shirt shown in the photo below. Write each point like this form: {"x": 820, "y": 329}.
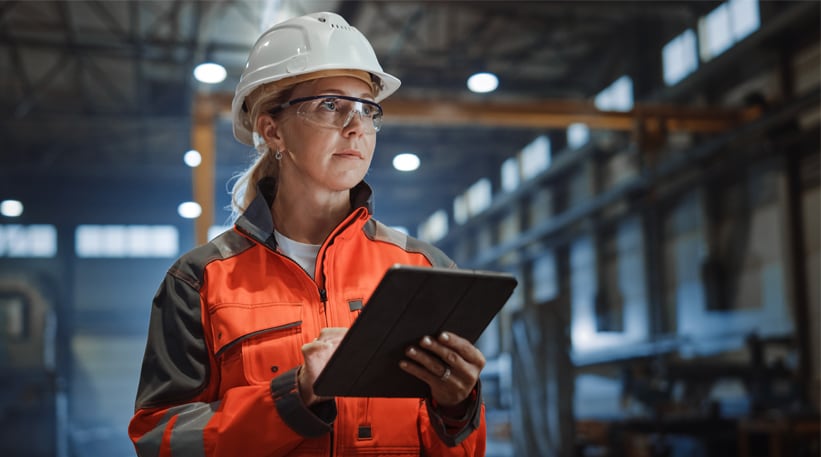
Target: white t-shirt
{"x": 301, "y": 253}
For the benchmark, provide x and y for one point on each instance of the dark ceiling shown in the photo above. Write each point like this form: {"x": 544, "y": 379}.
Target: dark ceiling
{"x": 98, "y": 94}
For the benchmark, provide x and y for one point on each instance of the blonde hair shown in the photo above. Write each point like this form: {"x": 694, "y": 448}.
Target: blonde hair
{"x": 244, "y": 190}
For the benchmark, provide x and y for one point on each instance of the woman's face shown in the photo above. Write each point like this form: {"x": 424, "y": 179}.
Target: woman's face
{"x": 334, "y": 159}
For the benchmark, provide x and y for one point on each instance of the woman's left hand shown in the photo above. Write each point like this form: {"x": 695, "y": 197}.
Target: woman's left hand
{"x": 449, "y": 364}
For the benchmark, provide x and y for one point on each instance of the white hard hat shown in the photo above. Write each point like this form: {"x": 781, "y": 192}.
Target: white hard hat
{"x": 307, "y": 44}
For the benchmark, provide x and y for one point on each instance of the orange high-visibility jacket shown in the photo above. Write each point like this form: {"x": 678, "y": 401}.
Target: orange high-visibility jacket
{"x": 224, "y": 344}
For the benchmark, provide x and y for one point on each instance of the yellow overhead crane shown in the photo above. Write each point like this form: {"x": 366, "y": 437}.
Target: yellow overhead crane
{"x": 648, "y": 123}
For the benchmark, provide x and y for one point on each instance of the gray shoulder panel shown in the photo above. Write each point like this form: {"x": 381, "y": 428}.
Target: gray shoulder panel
{"x": 378, "y": 231}
{"x": 175, "y": 365}
{"x": 190, "y": 267}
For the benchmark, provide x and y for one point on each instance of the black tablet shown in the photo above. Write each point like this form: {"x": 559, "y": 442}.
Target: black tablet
{"x": 408, "y": 303}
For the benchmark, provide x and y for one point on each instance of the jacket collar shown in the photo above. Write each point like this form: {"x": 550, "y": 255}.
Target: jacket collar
{"x": 258, "y": 221}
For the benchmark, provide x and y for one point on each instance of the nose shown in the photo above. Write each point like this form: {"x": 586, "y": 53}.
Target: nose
{"x": 354, "y": 123}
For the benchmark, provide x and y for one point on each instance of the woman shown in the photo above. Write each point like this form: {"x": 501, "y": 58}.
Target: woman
{"x": 241, "y": 327}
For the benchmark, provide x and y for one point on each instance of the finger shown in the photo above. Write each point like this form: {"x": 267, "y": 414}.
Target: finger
{"x": 464, "y": 373}
{"x": 448, "y": 356}
{"x": 332, "y": 331}
{"x": 316, "y": 345}
{"x": 417, "y": 370}
{"x": 432, "y": 379}
{"x": 430, "y": 361}
{"x": 449, "y": 391}
{"x": 332, "y": 334}
{"x": 441, "y": 377}
{"x": 463, "y": 347}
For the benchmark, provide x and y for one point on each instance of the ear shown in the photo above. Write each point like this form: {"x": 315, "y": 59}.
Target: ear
{"x": 268, "y": 128}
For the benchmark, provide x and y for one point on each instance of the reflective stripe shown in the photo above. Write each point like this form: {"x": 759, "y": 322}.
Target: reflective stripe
{"x": 186, "y": 435}
{"x": 149, "y": 444}
{"x": 378, "y": 231}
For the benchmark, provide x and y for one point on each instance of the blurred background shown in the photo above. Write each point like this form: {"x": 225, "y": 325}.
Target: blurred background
{"x": 648, "y": 170}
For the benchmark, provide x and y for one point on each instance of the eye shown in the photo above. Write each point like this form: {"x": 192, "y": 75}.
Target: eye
{"x": 328, "y": 104}
{"x": 369, "y": 110}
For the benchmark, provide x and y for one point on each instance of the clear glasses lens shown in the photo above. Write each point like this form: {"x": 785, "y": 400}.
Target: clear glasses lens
{"x": 336, "y": 112}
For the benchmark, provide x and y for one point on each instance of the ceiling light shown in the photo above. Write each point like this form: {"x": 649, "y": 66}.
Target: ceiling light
{"x": 192, "y": 158}
{"x": 210, "y": 73}
{"x": 406, "y": 162}
{"x": 483, "y": 82}
{"x": 189, "y": 210}
{"x": 11, "y": 208}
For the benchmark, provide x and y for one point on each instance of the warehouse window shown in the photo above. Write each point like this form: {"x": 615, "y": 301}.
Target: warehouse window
{"x": 680, "y": 57}
{"x": 113, "y": 241}
{"x": 577, "y": 135}
{"x": 529, "y": 162}
{"x": 745, "y": 18}
{"x": 28, "y": 240}
{"x": 715, "y": 32}
{"x": 535, "y": 157}
{"x": 473, "y": 201}
{"x": 510, "y": 174}
{"x": 479, "y": 196}
{"x": 729, "y": 23}
{"x": 617, "y": 96}
{"x": 460, "y": 209}
{"x": 435, "y": 227}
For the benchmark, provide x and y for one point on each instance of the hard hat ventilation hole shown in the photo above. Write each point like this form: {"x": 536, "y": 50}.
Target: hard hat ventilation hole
{"x": 323, "y": 20}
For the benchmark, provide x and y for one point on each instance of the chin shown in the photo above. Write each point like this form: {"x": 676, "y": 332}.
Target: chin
{"x": 340, "y": 185}
{"x": 348, "y": 180}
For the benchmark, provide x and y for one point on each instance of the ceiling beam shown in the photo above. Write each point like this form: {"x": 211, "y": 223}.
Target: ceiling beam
{"x": 551, "y": 114}
{"x": 561, "y": 114}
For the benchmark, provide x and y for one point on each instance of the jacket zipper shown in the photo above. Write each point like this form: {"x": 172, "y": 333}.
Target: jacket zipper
{"x": 331, "y": 451}
{"x": 323, "y": 292}
{"x": 323, "y": 297}
{"x": 323, "y": 251}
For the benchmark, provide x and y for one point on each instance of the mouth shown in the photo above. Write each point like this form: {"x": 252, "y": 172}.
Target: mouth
{"x": 350, "y": 154}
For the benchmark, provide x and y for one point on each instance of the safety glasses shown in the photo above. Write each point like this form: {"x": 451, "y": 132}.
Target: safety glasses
{"x": 336, "y": 111}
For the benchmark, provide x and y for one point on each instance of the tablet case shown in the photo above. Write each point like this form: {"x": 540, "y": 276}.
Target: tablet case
{"x": 408, "y": 303}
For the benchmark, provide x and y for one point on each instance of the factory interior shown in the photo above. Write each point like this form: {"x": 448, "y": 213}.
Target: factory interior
{"x": 649, "y": 171}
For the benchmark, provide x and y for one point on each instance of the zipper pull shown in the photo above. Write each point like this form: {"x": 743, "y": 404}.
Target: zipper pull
{"x": 323, "y": 295}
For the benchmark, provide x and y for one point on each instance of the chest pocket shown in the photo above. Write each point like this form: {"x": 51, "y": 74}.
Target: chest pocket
{"x": 265, "y": 339}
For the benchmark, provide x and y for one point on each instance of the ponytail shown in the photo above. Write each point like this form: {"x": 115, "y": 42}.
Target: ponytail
{"x": 244, "y": 190}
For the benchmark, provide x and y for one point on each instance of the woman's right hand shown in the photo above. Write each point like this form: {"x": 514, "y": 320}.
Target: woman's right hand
{"x": 316, "y": 355}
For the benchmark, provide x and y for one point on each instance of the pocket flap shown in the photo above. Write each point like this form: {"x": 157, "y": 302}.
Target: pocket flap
{"x": 233, "y": 322}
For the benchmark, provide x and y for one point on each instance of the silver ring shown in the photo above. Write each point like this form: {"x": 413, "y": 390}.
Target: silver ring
{"x": 445, "y": 375}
